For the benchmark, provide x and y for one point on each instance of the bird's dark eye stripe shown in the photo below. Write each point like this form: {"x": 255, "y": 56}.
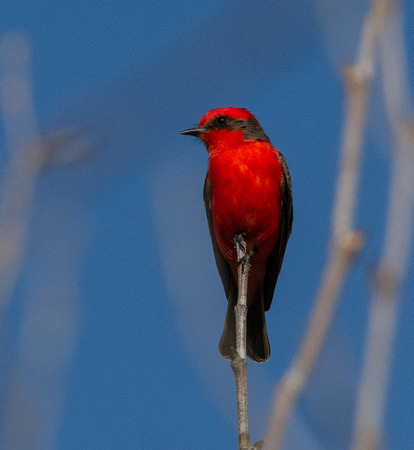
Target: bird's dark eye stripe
{"x": 221, "y": 120}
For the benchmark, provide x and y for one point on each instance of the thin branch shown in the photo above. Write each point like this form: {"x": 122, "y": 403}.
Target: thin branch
{"x": 345, "y": 241}
{"x": 392, "y": 268}
{"x": 238, "y": 361}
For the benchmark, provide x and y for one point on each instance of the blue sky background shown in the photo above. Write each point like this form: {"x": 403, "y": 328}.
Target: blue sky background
{"x": 110, "y": 340}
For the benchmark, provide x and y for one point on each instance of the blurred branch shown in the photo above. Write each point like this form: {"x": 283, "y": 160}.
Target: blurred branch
{"x": 66, "y": 147}
{"x": 345, "y": 241}
{"x": 28, "y": 154}
{"x": 45, "y": 338}
{"x": 397, "y": 242}
{"x": 22, "y": 169}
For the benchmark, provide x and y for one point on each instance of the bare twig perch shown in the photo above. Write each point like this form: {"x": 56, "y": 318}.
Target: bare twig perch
{"x": 239, "y": 362}
{"x": 345, "y": 241}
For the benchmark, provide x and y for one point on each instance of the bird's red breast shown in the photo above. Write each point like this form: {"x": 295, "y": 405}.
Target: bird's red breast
{"x": 245, "y": 184}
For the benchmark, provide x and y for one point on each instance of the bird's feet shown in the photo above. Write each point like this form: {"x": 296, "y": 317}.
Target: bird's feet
{"x": 239, "y": 242}
{"x": 243, "y": 258}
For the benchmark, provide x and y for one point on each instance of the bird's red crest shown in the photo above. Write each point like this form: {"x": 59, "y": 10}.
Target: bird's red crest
{"x": 236, "y": 113}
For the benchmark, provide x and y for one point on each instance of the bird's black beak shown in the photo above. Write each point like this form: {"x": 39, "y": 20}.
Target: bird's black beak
{"x": 194, "y": 131}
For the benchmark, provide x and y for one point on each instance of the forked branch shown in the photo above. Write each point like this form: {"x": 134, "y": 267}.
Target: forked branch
{"x": 392, "y": 269}
{"x": 345, "y": 241}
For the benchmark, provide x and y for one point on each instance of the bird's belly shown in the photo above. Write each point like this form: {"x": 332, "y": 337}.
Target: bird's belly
{"x": 251, "y": 205}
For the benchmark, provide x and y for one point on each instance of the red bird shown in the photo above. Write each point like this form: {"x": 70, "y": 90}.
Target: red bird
{"x": 247, "y": 190}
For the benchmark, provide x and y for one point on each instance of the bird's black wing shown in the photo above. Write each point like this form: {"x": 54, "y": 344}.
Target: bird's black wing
{"x": 228, "y": 338}
{"x": 222, "y": 265}
{"x": 285, "y": 228}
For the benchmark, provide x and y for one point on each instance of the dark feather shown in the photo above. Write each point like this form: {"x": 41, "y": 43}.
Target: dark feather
{"x": 222, "y": 265}
{"x": 228, "y": 338}
{"x": 285, "y": 228}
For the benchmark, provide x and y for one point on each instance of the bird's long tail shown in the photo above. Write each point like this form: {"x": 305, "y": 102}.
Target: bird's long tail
{"x": 257, "y": 341}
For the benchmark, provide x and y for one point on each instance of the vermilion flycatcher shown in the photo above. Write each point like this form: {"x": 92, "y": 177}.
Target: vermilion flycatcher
{"x": 247, "y": 190}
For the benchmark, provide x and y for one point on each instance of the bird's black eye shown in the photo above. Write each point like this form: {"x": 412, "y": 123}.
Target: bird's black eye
{"x": 221, "y": 121}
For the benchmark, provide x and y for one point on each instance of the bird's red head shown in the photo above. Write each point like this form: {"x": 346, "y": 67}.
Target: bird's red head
{"x": 222, "y": 127}
{"x": 235, "y": 113}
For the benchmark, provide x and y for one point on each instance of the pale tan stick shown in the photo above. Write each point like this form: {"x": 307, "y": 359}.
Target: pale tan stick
{"x": 345, "y": 241}
{"x": 382, "y": 319}
{"x": 22, "y": 170}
